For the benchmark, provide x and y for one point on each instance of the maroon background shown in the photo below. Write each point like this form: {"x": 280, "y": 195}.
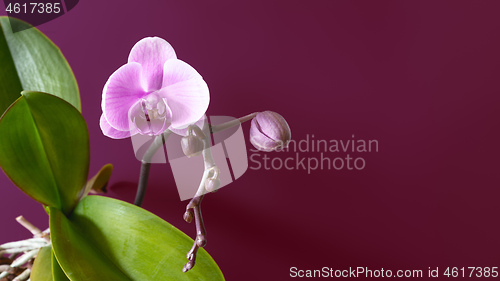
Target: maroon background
{"x": 419, "y": 76}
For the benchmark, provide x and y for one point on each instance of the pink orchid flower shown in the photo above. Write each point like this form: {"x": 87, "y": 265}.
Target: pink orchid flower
{"x": 153, "y": 92}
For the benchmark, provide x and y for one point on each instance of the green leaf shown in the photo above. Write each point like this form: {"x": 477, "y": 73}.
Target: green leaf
{"x": 10, "y": 85}
{"x": 46, "y": 267}
{"x": 57, "y": 272}
{"x": 42, "y": 267}
{"x": 99, "y": 182}
{"x": 44, "y": 149}
{"x": 30, "y": 61}
{"x": 115, "y": 240}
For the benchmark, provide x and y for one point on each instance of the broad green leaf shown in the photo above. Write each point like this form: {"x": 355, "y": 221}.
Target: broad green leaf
{"x": 10, "y": 85}
{"x": 57, "y": 272}
{"x": 46, "y": 267}
{"x": 42, "y": 268}
{"x": 44, "y": 149}
{"x": 29, "y": 61}
{"x": 99, "y": 182}
{"x": 114, "y": 240}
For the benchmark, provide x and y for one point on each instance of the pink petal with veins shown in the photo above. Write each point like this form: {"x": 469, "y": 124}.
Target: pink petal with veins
{"x": 152, "y": 53}
{"x": 113, "y": 133}
{"x": 185, "y": 91}
{"x": 123, "y": 89}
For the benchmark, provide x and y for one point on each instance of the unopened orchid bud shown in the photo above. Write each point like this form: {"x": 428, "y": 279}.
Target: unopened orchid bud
{"x": 269, "y": 131}
{"x": 192, "y": 145}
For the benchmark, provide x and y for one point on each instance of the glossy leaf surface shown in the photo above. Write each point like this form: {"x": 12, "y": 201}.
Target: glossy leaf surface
{"x": 108, "y": 239}
{"x": 57, "y": 272}
{"x": 46, "y": 267}
{"x": 42, "y": 267}
{"x": 31, "y": 62}
{"x": 44, "y": 149}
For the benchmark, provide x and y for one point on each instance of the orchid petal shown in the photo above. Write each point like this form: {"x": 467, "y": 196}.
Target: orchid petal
{"x": 124, "y": 88}
{"x": 202, "y": 124}
{"x": 113, "y": 133}
{"x": 152, "y": 53}
{"x": 176, "y": 71}
{"x": 185, "y": 91}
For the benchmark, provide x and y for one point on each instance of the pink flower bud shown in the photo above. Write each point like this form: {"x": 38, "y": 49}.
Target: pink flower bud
{"x": 269, "y": 131}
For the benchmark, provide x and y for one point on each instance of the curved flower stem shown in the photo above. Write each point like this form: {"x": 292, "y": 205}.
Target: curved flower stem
{"x": 146, "y": 165}
{"x": 143, "y": 183}
{"x": 232, "y": 123}
{"x": 194, "y": 206}
{"x": 160, "y": 140}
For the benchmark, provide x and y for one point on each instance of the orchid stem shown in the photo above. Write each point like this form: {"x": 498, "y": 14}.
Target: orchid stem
{"x": 143, "y": 183}
{"x": 232, "y": 123}
{"x": 146, "y": 165}
{"x": 194, "y": 205}
{"x": 160, "y": 140}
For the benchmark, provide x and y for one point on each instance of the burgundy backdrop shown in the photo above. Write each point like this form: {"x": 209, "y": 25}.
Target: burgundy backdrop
{"x": 421, "y": 77}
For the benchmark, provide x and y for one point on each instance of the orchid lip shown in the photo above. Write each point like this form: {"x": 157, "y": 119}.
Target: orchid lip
{"x": 150, "y": 115}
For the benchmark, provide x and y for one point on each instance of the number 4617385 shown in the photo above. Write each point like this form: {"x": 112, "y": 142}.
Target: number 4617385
{"x": 472, "y": 271}
{"x": 32, "y": 8}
